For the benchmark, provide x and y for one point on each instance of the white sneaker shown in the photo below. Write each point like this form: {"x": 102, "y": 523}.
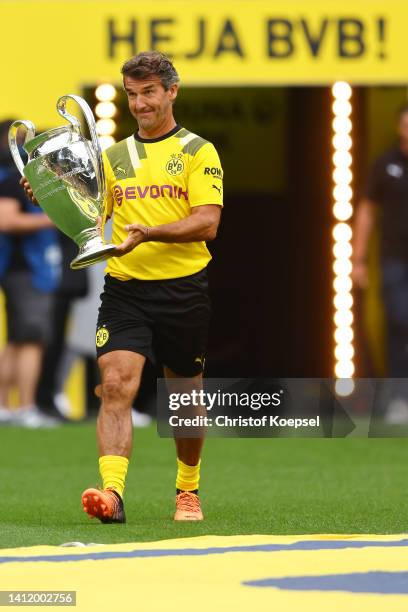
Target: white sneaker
{"x": 62, "y": 404}
{"x": 140, "y": 419}
{"x": 397, "y": 412}
{"x": 5, "y": 415}
{"x": 32, "y": 418}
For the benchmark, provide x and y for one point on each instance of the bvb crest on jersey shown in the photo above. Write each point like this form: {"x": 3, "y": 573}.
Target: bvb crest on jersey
{"x": 175, "y": 165}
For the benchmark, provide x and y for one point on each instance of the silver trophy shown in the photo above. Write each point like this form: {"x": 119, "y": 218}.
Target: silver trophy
{"x": 65, "y": 171}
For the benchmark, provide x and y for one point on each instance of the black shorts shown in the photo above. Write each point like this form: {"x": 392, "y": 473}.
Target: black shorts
{"x": 164, "y": 320}
{"x": 28, "y": 309}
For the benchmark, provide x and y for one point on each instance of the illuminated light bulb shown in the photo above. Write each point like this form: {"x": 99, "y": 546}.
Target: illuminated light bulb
{"x": 343, "y": 318}
{"x": 342, "y": 125}
{"x": 344, "y": 369}
{"x": 342, "y": 267}
{"x": 343, "y": 301}
{"x": 342, "y": 284}
{"x": 342, "y": 193}
{"x": 344, "y": 387}
{"x": 344, "y": 352}
{"x": 106, "y": 141}
{"x": 105, "y": 92}
{"x": 342, "y": 211}
{"x": 342, "y": 142}
{"x": 342, "y": 176}
{"x": 342, "y": 159}
{"x": 341, "y": 90}
{"x": 341, "y": 108}
{"x": 105, "y": 110}
{"x": 342, "y": 249}
{"x": 342, "y": 232}
{"x": 343, "y": 335}
{"x": 105, "y": 127}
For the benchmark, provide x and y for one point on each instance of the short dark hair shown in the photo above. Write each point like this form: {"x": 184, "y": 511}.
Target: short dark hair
{"x": 149, "y": 63}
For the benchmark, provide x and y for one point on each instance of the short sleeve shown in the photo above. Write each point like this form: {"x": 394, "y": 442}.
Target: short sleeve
{"x": 373, "y": 190}
{"x": 109, "y": 179}
{"x": 205, "y": 177}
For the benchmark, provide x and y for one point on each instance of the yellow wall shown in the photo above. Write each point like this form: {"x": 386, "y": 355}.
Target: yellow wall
{"x": 50, "y": 48}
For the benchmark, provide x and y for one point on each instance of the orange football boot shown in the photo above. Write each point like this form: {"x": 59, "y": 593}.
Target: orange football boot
{"x": 106, "y": 505}
{"x": 188, "y": 507}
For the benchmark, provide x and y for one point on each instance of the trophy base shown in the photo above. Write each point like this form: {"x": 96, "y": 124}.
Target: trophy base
{"x": 90, "y": 254}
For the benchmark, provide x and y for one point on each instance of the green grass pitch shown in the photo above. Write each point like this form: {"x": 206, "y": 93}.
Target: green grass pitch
{"x": 264, "y": 486}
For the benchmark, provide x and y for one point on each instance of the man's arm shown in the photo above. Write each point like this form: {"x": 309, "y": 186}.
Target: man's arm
{"x": 201, "y": 224}
{"x": 13, "y": 221}
{"x": 363, "y": 226}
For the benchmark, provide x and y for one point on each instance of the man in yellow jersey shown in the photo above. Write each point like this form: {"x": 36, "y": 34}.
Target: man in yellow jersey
{"x": 164, "y": 192}
{"x": 164, "y": 187}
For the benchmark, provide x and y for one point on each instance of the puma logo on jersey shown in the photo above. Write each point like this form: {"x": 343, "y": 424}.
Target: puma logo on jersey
{"x": 119, "y": 169}
{"x": 217, "y": 188}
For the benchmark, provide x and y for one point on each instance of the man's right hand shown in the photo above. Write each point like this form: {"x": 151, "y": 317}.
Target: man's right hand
{"x": 359, "y": 275}
{"x": 27, "y": 188}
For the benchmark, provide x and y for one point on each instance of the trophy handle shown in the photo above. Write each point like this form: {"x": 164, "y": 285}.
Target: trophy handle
{"x": 62, "y": 110}
{"x": 12, "y": 140}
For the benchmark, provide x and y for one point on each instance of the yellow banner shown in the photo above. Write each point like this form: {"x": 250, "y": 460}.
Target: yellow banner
{"x": 298, "y": 573}
{"x": 51, "y": 48}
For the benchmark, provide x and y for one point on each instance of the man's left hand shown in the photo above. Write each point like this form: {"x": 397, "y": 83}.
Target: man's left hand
{"x": 137, "y": 235}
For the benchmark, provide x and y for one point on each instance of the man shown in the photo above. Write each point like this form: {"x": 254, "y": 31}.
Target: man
{"x": 165, "y": 193}
{"x": 386, "y": 200}
{"x": 57, "y": 358}
{"x": 29, "y": 274}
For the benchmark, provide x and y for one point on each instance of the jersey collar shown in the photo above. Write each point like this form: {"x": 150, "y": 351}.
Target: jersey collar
{"x": 159, "y": 138}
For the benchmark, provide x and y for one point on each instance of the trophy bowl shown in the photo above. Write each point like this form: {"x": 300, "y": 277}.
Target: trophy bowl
{"x": 65, "y": 172}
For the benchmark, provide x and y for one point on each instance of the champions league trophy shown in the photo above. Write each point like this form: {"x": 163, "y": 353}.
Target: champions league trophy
{"x": 66, "y": 174}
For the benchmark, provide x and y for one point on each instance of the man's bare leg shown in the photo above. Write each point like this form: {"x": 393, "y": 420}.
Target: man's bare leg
{"x": 188, "y": 452}
{"x": 188, "y": 449}
{"x": 7, "y": 372}
{"x": 121, "y": 372}
{"x": 28, "y": 367}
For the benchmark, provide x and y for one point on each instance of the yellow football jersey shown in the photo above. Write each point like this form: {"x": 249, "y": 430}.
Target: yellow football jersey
{"x": 158, "y": 181}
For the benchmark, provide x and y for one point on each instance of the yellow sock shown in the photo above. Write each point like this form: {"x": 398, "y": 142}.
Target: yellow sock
{"x": 113, "y": 469}
{"x": 188, "y": 476}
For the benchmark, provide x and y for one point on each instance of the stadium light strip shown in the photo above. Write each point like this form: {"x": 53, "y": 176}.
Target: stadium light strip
{"x": 105, "y": 110}
{"x": 342, "y": 234}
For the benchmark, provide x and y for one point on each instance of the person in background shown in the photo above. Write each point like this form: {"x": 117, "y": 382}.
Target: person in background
{"x": 386, "y": 203}
{"x": 29, "y": 274}
{"x": 58, "y": 358}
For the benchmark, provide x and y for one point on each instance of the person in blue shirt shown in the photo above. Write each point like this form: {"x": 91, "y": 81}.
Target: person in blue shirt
{"x": 29, "y": 274}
